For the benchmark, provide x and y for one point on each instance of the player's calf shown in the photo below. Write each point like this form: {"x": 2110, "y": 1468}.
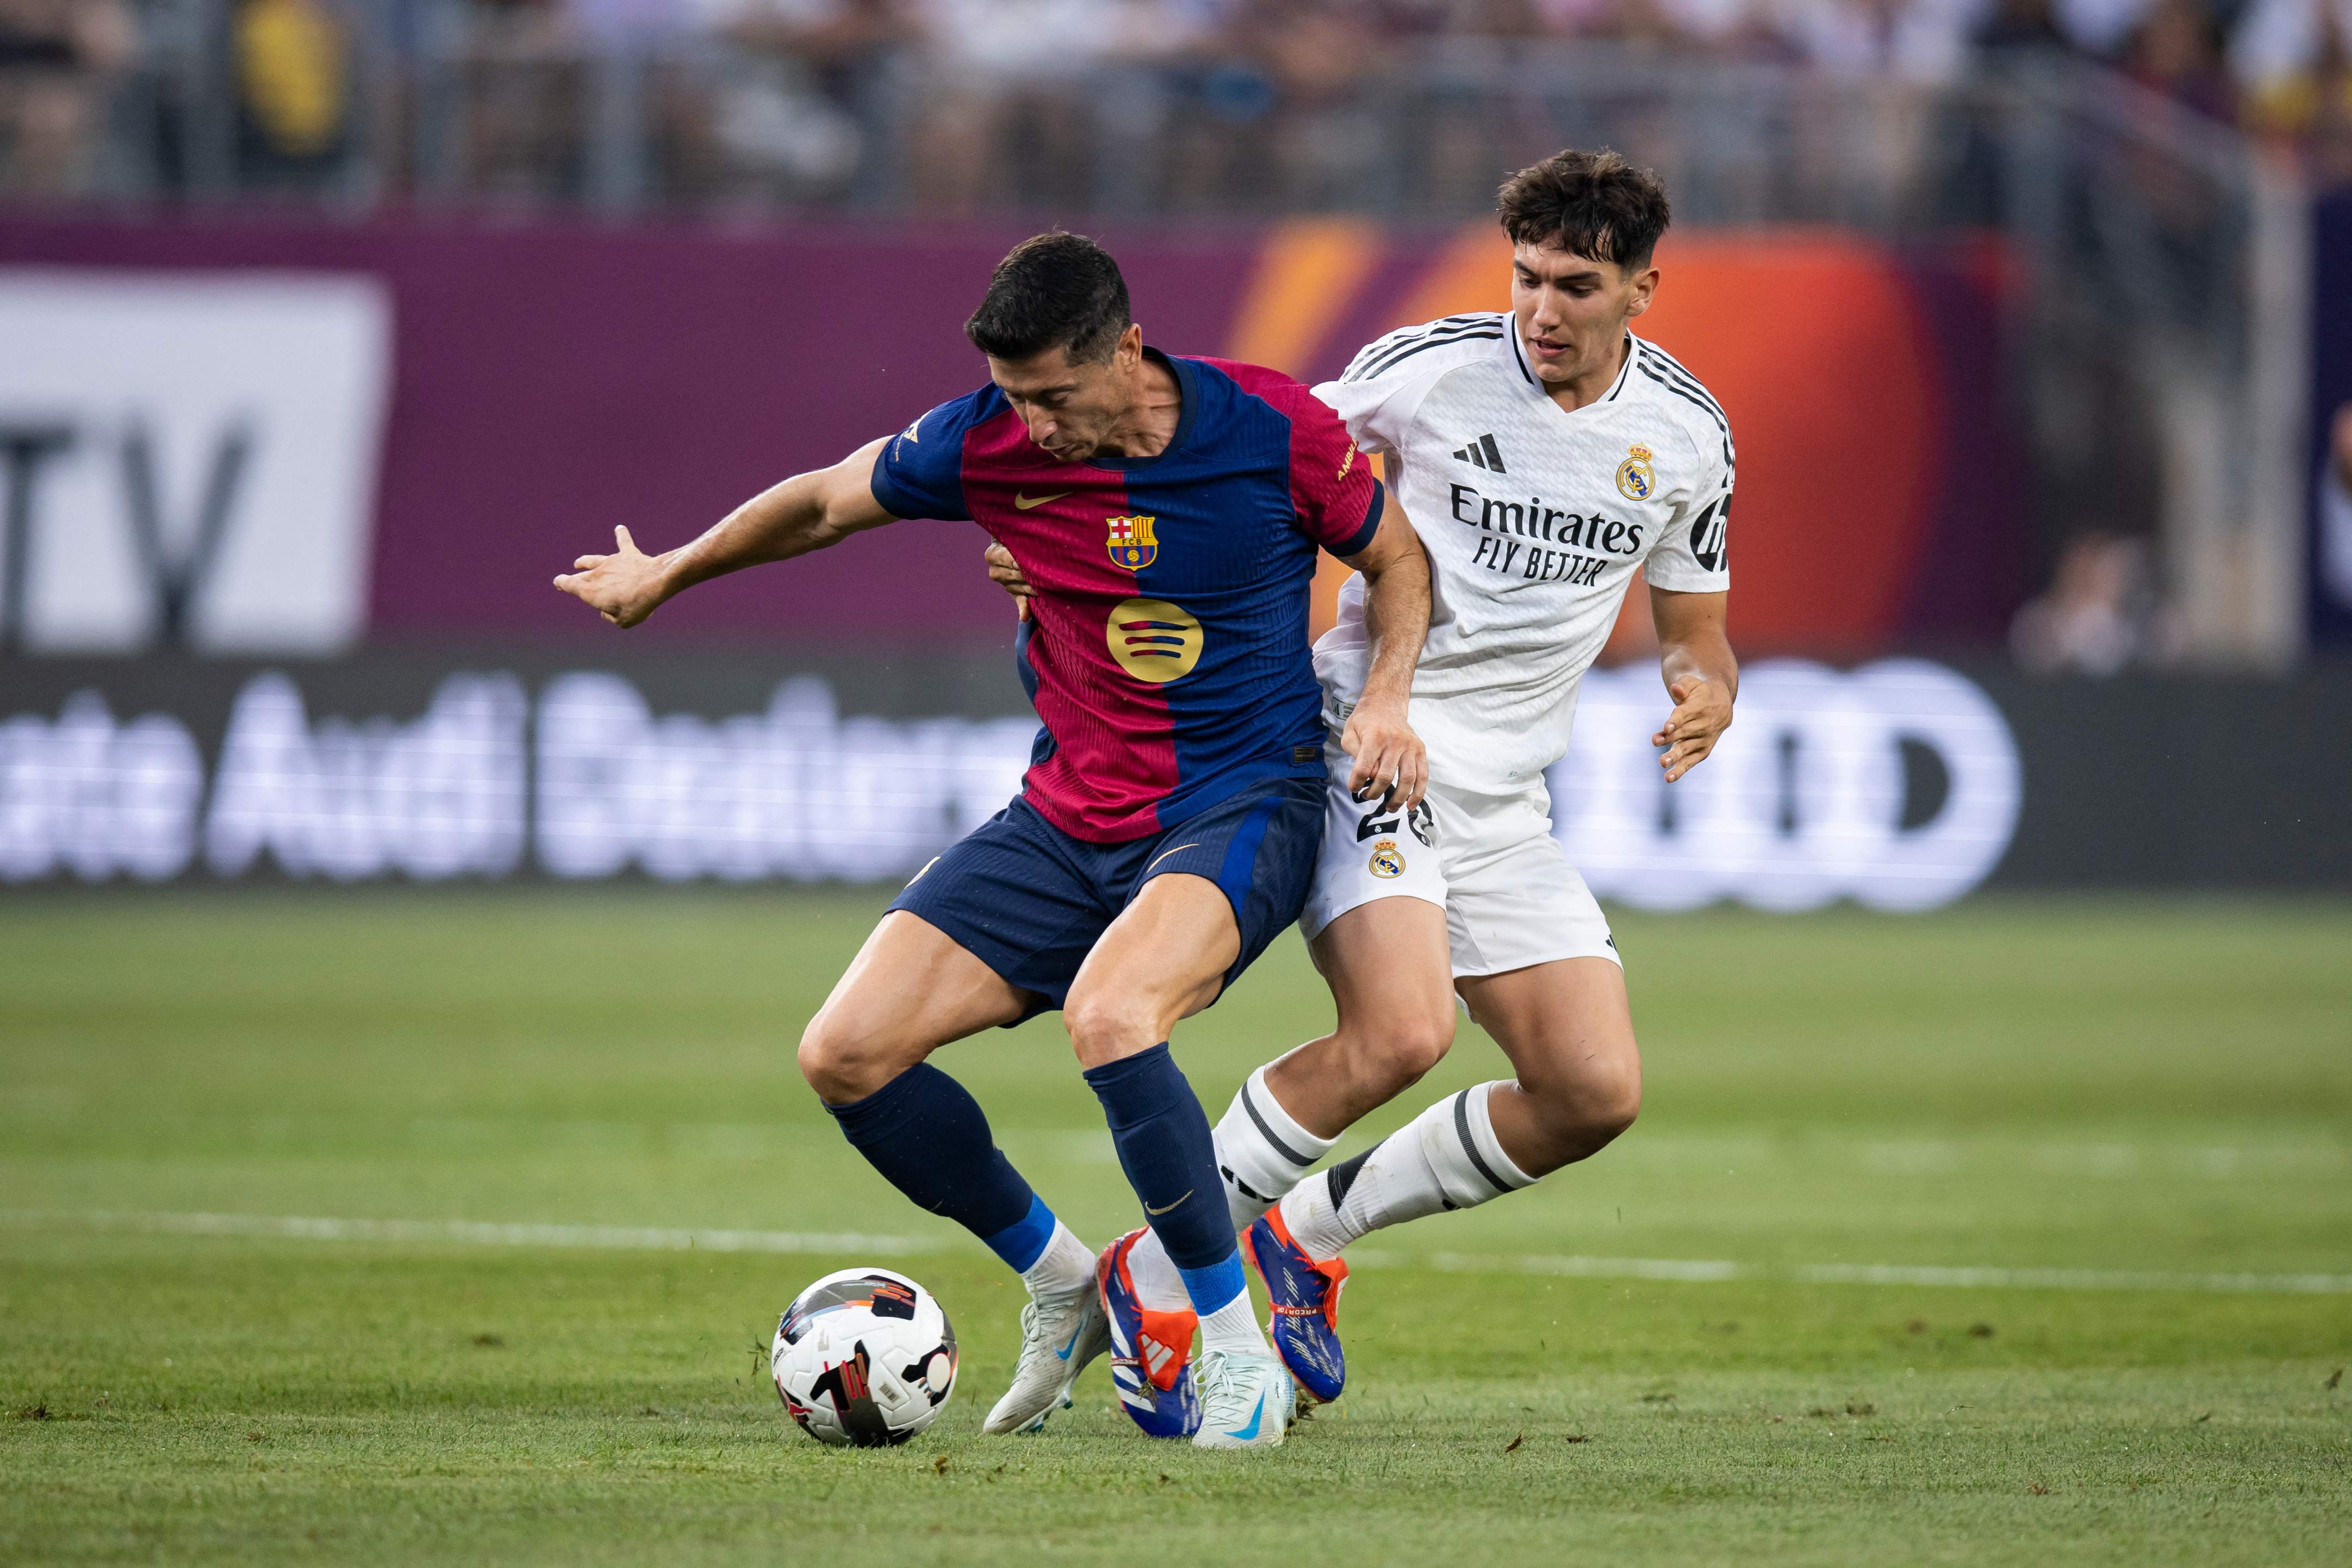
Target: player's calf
{"x": 1361, "y": 1066}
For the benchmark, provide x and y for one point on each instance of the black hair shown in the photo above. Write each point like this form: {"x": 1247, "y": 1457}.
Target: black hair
{"x": 1055, "y": 291}
{"x": 1594, "y": 205}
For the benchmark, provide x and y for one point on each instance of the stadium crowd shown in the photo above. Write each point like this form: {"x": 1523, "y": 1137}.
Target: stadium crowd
{"x": 802, "y": 73}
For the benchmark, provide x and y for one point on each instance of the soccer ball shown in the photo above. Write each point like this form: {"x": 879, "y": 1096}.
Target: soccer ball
{"x": 864, "y": 1358}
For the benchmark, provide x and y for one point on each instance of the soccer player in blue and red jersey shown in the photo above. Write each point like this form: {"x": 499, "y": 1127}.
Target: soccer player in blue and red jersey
{"x": 1168, "y": 511}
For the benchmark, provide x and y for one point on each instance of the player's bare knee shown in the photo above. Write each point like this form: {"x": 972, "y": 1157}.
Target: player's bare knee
{"x": 843, "y": 1063}
{"x": 1613, "y": 1105}
{"x": 1602, "y": 1102}
{"x": 1400, "y": 1053}
{"x": 1104, "y": 1026}
{"x": 1586, "y": 1106}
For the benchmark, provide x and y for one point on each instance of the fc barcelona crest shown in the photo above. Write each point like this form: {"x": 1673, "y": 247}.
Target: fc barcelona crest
{"x": 1131, "y": 544}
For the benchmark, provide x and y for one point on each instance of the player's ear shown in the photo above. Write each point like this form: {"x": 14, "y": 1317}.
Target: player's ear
{"x": 1129, "y": 353}
{"x": 1645, "y": 287}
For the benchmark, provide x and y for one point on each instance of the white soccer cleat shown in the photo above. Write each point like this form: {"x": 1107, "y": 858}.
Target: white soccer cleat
{"x": 1246, "y": 1401}
{"x": 1059, "y": 1335}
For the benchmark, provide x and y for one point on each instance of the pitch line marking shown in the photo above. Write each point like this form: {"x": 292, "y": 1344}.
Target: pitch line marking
{"x": 1707, "y": 1271}
{"x": 662, "y": 1238}
{"x": 471, "y": 1233}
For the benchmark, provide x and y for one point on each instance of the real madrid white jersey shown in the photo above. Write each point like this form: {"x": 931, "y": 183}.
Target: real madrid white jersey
{"x": 1534, "y": 520}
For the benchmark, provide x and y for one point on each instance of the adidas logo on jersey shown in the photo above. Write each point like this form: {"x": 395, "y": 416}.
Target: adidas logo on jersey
{"x": 1483, "y": 453}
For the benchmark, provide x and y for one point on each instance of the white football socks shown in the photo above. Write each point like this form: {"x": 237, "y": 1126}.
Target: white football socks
{"x": 1064, "y": 1267}
{"x": 1446, "y": 1158}
{"x": 1158, "y": 1285}
{"x": 1233, "y": 1328}
{"x": 1262, "y": 1154}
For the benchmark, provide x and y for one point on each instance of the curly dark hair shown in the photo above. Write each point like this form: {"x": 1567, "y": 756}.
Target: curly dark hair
{"x": 1594, "y": 205}
{"x": 1052, "y": 291}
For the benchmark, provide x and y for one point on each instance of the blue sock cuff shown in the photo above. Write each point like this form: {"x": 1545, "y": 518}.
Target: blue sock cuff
{"x": 1216, "y": 1284}
{"x": 1144, "y": 1066}
{"x": 877, "y": 1110}
{"x": 1022, "y": 1243}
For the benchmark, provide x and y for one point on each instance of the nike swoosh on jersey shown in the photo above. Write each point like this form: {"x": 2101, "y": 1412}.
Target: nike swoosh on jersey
{"x": 1164, "y": 1208}
{"x": 1023, "y": 503}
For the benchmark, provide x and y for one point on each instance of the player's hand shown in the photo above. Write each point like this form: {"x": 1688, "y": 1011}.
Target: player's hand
{"x": 1005, "y": 573}
{"x": 1702, "y": 713}
{"x": 624, "y": 588}
{"x": 1391, "y": 761}
{"x": 2340, "y": 446}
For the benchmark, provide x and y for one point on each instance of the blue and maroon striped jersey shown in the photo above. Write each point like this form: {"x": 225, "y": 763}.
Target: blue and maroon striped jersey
{"x": 1166, "y": 648}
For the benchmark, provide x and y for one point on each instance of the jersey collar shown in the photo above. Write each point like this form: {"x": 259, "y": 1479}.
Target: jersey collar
{"x": 1519, "y": 358}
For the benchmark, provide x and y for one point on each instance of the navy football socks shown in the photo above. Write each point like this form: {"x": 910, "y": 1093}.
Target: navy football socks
{"x": 1170, "y": 1159}
{"x": 929, "y": 1139}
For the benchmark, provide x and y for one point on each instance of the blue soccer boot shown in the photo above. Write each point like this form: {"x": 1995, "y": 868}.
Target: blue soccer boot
{"x": 1151, "y": 1351}
{"x": 1306, "y": 1297}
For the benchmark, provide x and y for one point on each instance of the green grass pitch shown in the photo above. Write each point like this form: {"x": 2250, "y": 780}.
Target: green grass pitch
{"x": 2139, "y": 1086}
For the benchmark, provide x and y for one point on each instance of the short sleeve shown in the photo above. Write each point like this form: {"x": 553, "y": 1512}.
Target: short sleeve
{"x": 1694, "y": 555}
{"x": 1374, "y": 411}
{"x": 1379, "y": 393}
{"x": 1332, "y": 487}
{"x": 921, "y": 471}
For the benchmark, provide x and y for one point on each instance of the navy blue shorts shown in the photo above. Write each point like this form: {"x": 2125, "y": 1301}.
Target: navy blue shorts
{"x": 1030, "y": 901}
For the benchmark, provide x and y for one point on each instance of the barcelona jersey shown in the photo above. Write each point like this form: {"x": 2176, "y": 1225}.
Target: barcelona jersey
{"x": 1166, "y": 648}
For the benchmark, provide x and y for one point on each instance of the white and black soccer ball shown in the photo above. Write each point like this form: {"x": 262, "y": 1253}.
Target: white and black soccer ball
{"x": 864, "y": 1358}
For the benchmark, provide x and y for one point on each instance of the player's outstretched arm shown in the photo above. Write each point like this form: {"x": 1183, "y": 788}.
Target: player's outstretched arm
{"x": 1389, "y": 757}
{"x": 1701, "y": 675}
{"x": 807, "y": 511}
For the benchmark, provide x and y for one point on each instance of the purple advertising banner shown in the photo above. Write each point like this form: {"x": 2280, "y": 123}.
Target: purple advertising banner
{"x": 491, "y": 401}
{"x": 2330, "y": 560}
{"x": 550, "y": 382}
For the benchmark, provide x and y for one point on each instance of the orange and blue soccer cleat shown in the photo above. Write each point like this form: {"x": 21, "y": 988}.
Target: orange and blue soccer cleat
{"x": 1306, "y": 1296}
{"x": 1150, "y": 1352}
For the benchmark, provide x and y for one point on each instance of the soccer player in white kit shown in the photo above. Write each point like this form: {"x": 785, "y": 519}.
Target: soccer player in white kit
{"x": 1543, "y": 455}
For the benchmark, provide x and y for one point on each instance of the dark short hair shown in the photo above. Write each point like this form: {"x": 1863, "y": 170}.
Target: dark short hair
{"x": 1055, "y": 291}
{"x": 1594, "y": 205}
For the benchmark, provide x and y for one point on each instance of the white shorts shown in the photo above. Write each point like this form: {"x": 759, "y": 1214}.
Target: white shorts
{"x": 1490, "y": 862}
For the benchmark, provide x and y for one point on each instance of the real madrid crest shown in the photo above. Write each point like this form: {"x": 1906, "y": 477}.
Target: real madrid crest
{"x": 1635, "y": 479}
{"x": 1131, "y": 544}
{"x": 1386, "y": 860}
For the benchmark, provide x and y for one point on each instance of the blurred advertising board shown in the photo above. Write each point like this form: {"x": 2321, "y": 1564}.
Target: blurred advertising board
{"x": 189, "y": 462}
{"x": 1898, "y": 784}
{"x": 264, "y": 435}
{"x": 2329, "y": 563}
